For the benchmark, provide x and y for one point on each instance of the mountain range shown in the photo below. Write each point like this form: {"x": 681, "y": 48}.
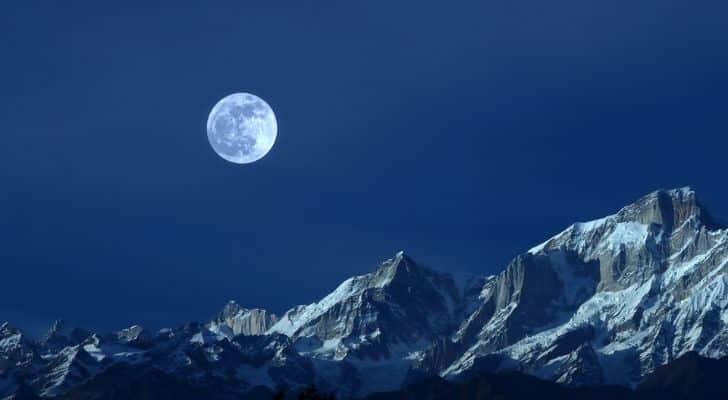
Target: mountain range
{"x": 608, "y": 303}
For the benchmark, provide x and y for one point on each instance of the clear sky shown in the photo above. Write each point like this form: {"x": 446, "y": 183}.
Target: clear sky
{"x": 462, "y": 132}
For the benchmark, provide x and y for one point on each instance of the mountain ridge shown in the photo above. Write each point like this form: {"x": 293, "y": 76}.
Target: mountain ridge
{"x": 603, "y": 302}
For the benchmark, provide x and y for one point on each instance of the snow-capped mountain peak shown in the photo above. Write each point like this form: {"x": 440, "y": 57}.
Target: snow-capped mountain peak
{"x": 602, "y": 302}
{"x": 399, "y": 290}
{"x": 644, "y": 281}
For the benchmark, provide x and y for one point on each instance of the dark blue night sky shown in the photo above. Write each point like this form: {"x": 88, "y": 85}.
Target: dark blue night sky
{"x": 462, "y": 132}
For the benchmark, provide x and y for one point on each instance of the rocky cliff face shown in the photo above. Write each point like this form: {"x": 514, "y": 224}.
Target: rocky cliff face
{"x": 603, "y": 302}
{"x": 631, "y": 291}
{"x": 235, "y": 320}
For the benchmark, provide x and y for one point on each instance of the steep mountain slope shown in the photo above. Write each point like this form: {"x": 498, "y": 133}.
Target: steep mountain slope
{"x": 605, "y": 302}
{"x": 19, "y": 359}
{"x": 374, "y": 324}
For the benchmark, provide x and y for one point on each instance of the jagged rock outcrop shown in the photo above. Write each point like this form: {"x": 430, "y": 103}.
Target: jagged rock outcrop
{"x": 16, "y": 350}
{"x": 236, "y": 320}
{"x": 18, "y": 359}
{"x": 59, "y": 336}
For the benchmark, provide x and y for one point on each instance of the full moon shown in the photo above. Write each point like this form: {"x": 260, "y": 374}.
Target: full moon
{"x": 242, "y": 128}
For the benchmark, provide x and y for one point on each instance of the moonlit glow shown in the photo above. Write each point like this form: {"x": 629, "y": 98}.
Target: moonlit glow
{"x": 242, "y": 128}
